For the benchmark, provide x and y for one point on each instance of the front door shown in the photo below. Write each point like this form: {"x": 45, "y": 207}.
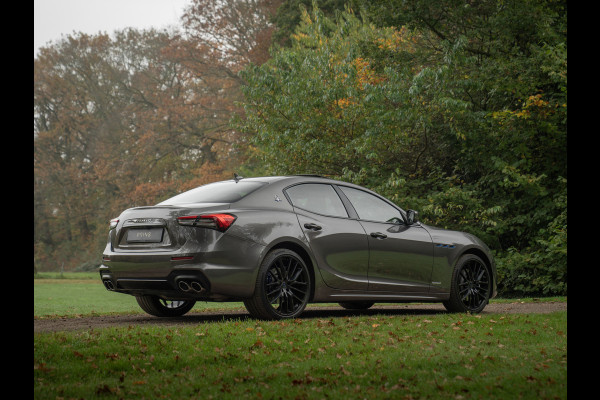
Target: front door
{"x": 400, "y": 256}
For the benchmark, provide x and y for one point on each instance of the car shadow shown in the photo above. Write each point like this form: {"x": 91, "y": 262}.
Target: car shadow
{"x": 233, "y": 316}
{"x": 337, "y": 313}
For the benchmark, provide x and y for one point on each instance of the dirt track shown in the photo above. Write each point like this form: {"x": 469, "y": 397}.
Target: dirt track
{"x": 96, "y": 322}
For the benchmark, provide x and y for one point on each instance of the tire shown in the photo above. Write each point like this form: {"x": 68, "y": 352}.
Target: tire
{"x": 283, "y": 287}
{"x": 158, "y": 307}
{"x": 471, "y": 284}
{"x": 352, "y": 305}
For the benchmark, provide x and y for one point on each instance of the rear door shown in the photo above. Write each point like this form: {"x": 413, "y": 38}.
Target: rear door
{"x": 339, "y": 244}
{"x": 401, "y": 256}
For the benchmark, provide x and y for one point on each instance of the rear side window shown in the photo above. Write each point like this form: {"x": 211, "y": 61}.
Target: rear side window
{"x": 317, "y": 198}
{"x": 218, "y": 192}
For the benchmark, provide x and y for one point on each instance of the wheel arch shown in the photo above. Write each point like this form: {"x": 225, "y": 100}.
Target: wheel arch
{"x": 486, "y": 258}
{"x": 303, "y": 253}
{"x": 479, "y": 253}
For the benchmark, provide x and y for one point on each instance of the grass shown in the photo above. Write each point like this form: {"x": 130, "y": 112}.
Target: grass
{"x": 376, "y": 357}
{"x": 67, "y": 275}
{"x": 438, "y": 356}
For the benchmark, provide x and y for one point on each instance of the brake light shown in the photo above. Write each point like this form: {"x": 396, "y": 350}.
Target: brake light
{"x": 182, "y": 258}
{"x": 113, "y": 223}
{"x": 220, "y": 222}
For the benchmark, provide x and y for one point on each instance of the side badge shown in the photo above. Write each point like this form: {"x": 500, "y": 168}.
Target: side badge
{"x": 277, "y": 198}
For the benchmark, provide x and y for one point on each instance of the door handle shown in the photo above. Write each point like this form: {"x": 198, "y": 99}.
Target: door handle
{"x": 378, "y": 235}
{"x": 313, "y": 227}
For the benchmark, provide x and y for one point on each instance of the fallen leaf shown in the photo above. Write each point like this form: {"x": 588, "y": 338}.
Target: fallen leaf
{"x": 103, "y": 389}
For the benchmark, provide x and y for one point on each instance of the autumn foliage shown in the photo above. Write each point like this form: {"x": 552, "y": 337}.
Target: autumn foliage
{"x": 132, "y": 118}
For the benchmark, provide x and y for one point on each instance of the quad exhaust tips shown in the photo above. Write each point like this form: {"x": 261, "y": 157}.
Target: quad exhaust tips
{"x": 108, "y": 284}
{"x": 187, "y": 286}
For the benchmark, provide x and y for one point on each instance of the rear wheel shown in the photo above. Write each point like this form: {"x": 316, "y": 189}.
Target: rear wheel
{"x": 158, "y": 307}
{"x": 355, "y": 305}
{"x": 471, "y": 283}
{"x": 282, "y": 287}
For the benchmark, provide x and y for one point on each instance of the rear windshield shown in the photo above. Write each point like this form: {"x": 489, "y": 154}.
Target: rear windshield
{"x": 218, "y": 192}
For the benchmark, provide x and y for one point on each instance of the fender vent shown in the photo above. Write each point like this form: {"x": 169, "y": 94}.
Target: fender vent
{"x": 445, "y": 246}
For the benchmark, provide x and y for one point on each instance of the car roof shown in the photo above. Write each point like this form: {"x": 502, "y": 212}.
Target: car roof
{"x": 301, "y": 178}
{"x": 282, "y": 177}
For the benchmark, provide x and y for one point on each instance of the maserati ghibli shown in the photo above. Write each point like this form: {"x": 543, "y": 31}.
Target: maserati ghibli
{"x": 278, "y": 243}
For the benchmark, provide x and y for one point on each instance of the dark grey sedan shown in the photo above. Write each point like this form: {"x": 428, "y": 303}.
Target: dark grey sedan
{"x": 279, "y": 243}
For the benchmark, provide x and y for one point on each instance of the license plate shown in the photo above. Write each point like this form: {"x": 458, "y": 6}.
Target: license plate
{"x": 148, "y": 235}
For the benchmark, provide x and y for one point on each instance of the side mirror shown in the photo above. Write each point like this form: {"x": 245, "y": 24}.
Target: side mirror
{"x": 412, "y": 217}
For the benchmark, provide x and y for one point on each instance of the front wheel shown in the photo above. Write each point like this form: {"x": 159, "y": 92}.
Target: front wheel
{"x": 471, "y": 283}
{"x": 282, "y": 287}
{"x": 158, "y": 307}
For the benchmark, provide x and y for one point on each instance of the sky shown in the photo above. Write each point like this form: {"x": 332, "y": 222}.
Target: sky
{"x": 53, "y": 18}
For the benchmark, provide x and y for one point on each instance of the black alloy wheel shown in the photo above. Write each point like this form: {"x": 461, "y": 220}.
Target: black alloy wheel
{"x": 158, "y": 307}
{"x": 282, "y": 288}
{"x": 471, "y": 283}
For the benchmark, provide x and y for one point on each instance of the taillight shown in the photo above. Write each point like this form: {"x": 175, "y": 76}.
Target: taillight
{"x": 113, "y": 223}
{"x": 219, "y": 222}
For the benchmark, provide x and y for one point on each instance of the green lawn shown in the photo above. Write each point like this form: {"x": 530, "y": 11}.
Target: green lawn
{"x": 440, "y": 356}
{"x": 375, "y": 357}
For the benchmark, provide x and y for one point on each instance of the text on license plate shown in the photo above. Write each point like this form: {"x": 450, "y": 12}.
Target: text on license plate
{"x": 148, "y": 235}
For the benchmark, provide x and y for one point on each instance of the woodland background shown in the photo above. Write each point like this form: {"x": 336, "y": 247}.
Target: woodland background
{"x": 457, "y": 109}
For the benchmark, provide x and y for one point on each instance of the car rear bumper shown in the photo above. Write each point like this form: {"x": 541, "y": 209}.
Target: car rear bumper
{"x": 216, "y": 274}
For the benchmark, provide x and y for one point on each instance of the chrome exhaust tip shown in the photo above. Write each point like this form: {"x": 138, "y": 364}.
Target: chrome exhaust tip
{"x": 108, "y": 284}
{"x": 183, "y": 286}
{"x": 196, "y": 287}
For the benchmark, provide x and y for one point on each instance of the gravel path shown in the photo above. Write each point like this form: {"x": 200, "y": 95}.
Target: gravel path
{"x": 193, "y": 318}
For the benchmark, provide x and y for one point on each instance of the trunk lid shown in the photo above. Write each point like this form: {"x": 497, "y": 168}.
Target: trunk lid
{"x": 156, "y": 227}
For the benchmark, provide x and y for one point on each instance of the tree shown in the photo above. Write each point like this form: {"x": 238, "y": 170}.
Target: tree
{"x": 460, "y": 113}
{"x": 132, "y": 118}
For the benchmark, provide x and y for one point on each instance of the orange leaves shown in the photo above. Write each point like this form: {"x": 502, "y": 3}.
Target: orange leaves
{"x": 346, "y": 102}
{"x": 398, "y": 40}
{"x": 366, "y": 75}
{"x": 148, "y": 193}
{"x": 533, "y": 106}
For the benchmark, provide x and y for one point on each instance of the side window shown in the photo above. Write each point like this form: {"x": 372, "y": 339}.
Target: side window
{"x": 318, "y": 198}
{"x": 369, "y": 207}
